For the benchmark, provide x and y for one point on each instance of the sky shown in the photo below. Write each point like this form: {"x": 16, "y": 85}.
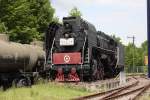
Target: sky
{"x": 120, "y": 17}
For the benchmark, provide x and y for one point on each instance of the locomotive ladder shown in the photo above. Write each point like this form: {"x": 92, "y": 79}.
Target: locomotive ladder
{"x": 86, "y": 57}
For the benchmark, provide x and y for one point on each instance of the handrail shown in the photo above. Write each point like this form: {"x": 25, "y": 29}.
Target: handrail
{"x": 83, "y": 52}
{"x": 118, "y": 50}
{"x": 52, "y": 50}
{"x": 106, "y": 49}
{"x": 83, "y": 55}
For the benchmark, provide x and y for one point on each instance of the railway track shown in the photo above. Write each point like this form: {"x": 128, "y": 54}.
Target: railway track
{"x": 130, "y": 91}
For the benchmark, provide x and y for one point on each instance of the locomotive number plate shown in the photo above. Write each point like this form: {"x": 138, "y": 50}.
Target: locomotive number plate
{"x": 66, "y": 42}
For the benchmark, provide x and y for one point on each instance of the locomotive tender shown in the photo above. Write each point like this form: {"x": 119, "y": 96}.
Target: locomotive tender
{"x": 75, "y": 51}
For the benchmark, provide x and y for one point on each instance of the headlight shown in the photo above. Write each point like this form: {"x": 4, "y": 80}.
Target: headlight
{"x": 66, "y": 35}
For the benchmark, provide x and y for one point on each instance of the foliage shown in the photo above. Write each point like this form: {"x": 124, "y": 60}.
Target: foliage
{"x": 26, "y": 19}
{"x": 118, "y": 39}
{"x": 3, "y": 28}
{"x": 75, "y": 12}
{"x": 139, "y": 53}
{"x": 56, "y": 20}
{"x": 145, "y": 47}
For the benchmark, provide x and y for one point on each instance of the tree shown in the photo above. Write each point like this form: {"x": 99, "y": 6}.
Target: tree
{"x": 139, "y": 53}
{"x": 144, "y": 47}
{"x": 26, "y": 19}
{"x": 56, "y": 19}
{"x": 75, "y": 12}
{"x": 3, "y": 28}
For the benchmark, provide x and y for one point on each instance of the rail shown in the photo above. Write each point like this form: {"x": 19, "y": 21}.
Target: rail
{"x": 130, "y": 91}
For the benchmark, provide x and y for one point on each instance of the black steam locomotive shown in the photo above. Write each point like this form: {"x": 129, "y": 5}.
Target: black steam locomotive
{"x": 75, "y": 51}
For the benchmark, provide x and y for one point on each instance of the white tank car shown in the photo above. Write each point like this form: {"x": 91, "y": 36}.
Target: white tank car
{"x": 16, "y": 56}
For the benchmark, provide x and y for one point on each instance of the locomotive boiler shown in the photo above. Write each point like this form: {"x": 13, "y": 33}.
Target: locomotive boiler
{"x": 75, "y": 51}
{"x": 18, "y": 62}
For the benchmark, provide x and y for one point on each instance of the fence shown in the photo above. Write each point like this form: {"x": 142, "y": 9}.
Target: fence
{"x": 137, "y": 69}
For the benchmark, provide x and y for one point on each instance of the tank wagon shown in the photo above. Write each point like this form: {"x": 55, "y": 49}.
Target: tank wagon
{"x": 75, "y": 51}
{"x": 19, "y": 63}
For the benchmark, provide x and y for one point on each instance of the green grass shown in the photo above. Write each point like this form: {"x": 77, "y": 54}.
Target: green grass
{"x": 49, "y": 91}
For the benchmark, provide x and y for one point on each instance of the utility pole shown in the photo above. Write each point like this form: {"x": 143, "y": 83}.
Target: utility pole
{"x": 133, "y": 38}
{"x": 148, "y": 34}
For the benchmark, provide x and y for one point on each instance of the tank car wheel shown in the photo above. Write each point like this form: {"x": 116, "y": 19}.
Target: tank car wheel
{"x": 23, "y": 82}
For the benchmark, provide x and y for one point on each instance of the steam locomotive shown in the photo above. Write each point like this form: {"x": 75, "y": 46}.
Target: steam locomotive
{"x": 75, "y": 51}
